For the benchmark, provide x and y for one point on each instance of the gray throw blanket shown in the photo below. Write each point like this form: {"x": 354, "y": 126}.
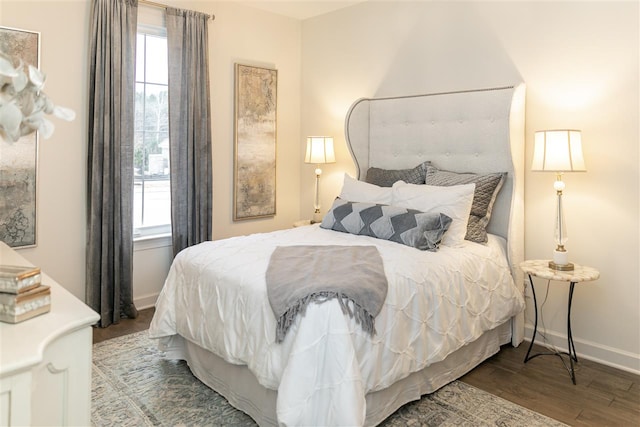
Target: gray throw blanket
{"x": 298, "y": 275}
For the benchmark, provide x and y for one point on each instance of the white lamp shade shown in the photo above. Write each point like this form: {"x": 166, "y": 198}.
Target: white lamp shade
{"x": 558, "y": 151}
{"x": 319, "y": 150}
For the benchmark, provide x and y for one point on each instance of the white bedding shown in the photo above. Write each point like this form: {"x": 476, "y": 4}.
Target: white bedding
{"x": 215, "y": 296}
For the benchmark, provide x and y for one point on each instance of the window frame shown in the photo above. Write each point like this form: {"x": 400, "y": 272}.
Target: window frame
{"x": 155, "y": 29}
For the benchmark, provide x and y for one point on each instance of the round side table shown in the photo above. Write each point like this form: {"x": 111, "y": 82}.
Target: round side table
{"x": 540, "y": 268}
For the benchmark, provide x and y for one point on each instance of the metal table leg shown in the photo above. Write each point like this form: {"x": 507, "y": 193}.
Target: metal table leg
{"x": 535, "y": 323}
{"x": 570, "y": 346}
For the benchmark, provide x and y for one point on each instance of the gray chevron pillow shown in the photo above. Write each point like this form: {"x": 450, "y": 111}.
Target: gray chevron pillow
{"x": 487, "y": 188}
{"x": 410, "y": 227}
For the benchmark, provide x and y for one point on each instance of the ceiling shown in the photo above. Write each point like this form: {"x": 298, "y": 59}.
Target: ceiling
{"x": 300, "y": 9}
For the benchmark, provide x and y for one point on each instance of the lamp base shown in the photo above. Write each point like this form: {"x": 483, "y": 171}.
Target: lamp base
{"x": 561, "y": 267}
{"x": 560, "y": 260}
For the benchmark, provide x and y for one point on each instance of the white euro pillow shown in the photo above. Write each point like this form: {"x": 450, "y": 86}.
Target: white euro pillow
{"x": 454, "y": 201}
{"x": 360, "y": 191}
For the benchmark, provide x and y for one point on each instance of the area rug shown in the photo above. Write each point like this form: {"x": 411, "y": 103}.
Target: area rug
{"x": 135, "y": 385}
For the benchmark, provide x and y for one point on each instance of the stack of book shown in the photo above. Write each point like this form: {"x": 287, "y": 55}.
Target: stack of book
{"x": 22, "y": 295}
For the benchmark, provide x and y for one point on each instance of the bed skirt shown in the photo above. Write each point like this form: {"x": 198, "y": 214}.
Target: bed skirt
{"x": 243, "y": 391}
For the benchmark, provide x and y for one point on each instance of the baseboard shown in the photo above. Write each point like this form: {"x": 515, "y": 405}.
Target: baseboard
{"x": 145, "y": 301}
{"x": 605, "y": 355}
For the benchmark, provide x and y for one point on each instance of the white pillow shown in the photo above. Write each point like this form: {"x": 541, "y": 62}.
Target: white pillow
{"x": 360, "y": 191}
{"x": 454, "y": 201}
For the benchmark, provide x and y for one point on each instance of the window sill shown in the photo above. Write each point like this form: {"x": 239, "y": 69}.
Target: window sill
{"x": 143, "y": 243}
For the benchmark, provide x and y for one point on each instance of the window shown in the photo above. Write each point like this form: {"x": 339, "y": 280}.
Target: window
{"x": 152, "y": 196}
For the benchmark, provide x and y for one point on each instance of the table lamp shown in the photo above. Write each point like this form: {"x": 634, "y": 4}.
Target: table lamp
{"x": 319, "y": 151}
{"x": 558, "y": 151}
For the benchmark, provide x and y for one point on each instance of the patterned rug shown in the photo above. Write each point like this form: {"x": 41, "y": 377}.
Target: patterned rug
{"x": 134, "y": 385}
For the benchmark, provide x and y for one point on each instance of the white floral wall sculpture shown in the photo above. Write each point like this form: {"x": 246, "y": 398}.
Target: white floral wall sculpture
{"x": 24, "y": 108}
{"x": 23, "y": 104}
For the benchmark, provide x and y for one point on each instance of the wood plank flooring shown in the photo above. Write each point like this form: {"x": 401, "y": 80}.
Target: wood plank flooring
{"x": 603, "y": 396}
{"x": 125, "y": 327}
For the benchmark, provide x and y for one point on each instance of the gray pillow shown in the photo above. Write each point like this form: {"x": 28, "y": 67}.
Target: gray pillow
{"x": 487, "y": 188}
{"x": 410, "y": 227}
{"x": 386, "y": 177}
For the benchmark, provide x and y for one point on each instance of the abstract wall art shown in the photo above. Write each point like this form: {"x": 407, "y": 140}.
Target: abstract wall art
{"x": 19, "y": 160}
{"x": 255, "y": 142}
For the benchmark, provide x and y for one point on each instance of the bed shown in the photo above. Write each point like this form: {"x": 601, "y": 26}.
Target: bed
{"x": 445, "y": 311}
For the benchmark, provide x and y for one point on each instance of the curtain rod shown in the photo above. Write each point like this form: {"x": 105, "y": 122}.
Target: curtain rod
{"x": 163, "y": 6}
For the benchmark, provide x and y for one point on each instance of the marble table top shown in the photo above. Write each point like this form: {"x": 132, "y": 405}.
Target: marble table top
{"x": 540, "y": 268}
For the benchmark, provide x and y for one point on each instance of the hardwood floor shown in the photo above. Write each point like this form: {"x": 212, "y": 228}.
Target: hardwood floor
{"x": 603, "y": 396}
{"x": 126, "y": 326}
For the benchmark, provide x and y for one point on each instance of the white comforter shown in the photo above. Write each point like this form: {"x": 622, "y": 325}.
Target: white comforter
{"x": 215, "y": 296}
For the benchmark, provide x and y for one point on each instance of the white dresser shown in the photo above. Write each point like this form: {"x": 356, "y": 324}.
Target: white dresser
{"x": 45, "y": 362}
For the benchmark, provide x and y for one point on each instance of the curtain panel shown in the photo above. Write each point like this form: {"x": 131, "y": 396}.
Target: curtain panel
{"x": 109, "y": 275}
{"x": 189, "y": 128}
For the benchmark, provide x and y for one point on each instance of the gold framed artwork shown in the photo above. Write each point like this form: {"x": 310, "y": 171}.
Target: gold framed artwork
{"x": 19, "y": 160}
{"x": 255, "y": 132}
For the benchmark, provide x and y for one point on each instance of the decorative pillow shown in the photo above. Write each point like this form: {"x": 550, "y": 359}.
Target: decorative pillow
{"x": 410, "y": 227}
{"x": 454, "y": 201}
{"x": 487, "y": 188}
{"x": 360, "y": 191}
{"x": 386, "y": 177}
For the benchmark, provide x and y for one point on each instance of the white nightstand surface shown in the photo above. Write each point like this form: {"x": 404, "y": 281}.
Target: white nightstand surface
{"x": 540, "y": 268}
{"x": 25, "y": 342}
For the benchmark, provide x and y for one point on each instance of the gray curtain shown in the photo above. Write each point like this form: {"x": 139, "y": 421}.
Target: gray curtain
{"x": 189, "y": 128}
{"x": 110, "y": 160}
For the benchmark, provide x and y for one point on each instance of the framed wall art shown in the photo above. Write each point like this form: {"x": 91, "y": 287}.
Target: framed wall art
{"x": 255, "y": 142}
{"x": 19, "y": 160}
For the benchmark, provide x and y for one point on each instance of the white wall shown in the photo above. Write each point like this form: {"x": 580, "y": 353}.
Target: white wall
{"x": 239, "y": 34}
{"x": 580, "y": 63}
{"x": 61, "y": 192}
{"x": 254, "y": 37}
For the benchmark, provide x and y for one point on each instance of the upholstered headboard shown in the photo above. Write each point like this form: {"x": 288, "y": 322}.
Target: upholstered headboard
{"x": 464, "y": 131}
